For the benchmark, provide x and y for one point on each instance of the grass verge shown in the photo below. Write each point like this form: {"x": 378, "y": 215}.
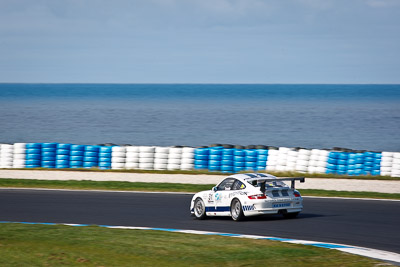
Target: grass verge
{"x": 206, "y": 172}
{"x": 166, "y": 187}
{"x": 354, "y": 194}
{"x": 45, "y": 245}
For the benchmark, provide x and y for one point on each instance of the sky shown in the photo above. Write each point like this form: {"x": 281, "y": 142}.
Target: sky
{"x": 200, "y": 41}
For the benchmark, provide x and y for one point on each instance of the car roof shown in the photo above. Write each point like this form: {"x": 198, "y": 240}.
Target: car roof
{"x": 252, "y": 176}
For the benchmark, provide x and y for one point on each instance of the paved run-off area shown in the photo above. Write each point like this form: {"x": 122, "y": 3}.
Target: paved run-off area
{"x": 381, "y": 186}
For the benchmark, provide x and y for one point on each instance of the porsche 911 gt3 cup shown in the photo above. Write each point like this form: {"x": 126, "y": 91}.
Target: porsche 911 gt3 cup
{"x": 250, "y": 194}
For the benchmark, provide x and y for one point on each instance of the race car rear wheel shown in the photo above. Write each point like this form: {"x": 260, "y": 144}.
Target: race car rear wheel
{"x": 199, "y": 209}
{"x": 236, "y": 210}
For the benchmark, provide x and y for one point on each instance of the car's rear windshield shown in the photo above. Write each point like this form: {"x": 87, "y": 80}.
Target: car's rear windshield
{"x": 268, "y": 184}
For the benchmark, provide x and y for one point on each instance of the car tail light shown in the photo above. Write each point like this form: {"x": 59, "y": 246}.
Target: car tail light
{"x": 260, "y": 196}
{"x": 296, "y": 194}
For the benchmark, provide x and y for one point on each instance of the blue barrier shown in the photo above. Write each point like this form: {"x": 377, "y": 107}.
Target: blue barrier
{"x": 33, "y": 155}
{"x": 201, "y": 158}
{"x": 90, "y": 157}
{"x": 354, "y": 163}
{"x": 76, "y": 151}
{"x": 105, "y": 155}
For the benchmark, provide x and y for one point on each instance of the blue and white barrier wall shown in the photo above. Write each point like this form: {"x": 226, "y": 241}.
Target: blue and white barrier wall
{"x": 216, "y": 158}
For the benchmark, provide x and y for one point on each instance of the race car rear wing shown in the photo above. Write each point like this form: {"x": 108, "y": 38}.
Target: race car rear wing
{"x": 262, "y": 182}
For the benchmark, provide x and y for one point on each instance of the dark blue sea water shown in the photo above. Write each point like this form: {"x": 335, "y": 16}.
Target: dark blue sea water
{"x": 311, "y": 116}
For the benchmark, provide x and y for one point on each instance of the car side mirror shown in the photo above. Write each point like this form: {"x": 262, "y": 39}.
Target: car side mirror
{"x": 215, "y": 189}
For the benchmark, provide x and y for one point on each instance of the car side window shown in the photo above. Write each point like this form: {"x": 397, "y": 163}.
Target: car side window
{"x": 226, "y": 184}
{"x": 238, "y": 185}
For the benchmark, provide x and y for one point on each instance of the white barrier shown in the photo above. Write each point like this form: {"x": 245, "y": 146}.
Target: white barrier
{"x": 6, "y": 156}
{"x": 19, "y": 158}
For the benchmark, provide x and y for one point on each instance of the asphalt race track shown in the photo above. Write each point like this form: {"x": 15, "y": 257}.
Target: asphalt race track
{"x": 366, "y": 223}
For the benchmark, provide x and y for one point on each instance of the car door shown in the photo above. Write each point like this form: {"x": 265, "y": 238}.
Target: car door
{"x": 237, "y": 189}
{"x": 227, "y": 190}
{"x": 221, "y": 196}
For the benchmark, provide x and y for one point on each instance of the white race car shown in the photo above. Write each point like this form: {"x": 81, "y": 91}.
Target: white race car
{"x": 250, "y": 194}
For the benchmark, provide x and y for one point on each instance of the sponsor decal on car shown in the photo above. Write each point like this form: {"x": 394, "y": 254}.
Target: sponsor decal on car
{"x": 281, "y": 205}
{"x": 282, "y": 199}
{"x": 237, "y": 193}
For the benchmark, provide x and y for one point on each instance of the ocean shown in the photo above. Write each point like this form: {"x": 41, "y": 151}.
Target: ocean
{"x": 293, "y": 115}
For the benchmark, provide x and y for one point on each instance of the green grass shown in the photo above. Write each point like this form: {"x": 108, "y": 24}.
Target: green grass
{"x": 196, "y": 172}
{"x": 165, "y": 187}
{"x": 354, "y": 194}
{"x": 41, "y": 245}
{"x": 108, "y": 185}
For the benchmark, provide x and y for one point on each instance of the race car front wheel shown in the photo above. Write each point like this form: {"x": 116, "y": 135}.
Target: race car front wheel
{"x": 199, "y": 209}
{"x": 236, "y": 210}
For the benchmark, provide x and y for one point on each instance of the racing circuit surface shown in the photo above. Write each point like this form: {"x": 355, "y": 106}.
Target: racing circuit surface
{"x": 366, "y": 223}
